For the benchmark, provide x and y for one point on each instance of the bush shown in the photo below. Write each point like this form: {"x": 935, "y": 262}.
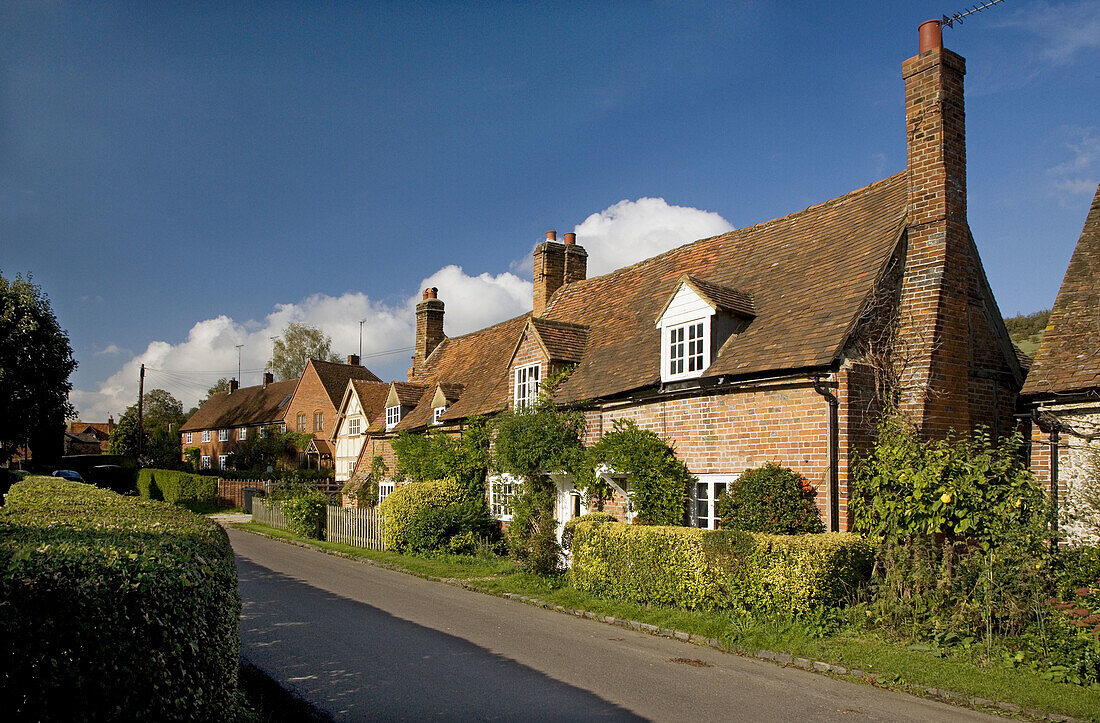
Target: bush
{"x": 114, "y": 608}
{"x": 176, "y": 487}
{"x": 305, "y": 510}
{"x": 659, "y": 482}
{"x": 692, "y": 568}
{"x": 401, "y": 506}
{"x": 454, "y": 528}
{"x": 770, "y": 499}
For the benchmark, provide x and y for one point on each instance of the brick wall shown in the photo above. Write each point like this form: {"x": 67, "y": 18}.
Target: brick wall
{"x": 309, "y": 398}
{"x": 1076, "y": 455}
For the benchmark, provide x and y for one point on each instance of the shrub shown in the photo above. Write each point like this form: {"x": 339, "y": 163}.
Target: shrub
{"x": 770, "y": 499}
{"x": 401, "y": 506}
{"x": 175, "y": 486}
{"x": 114, "y": 608}
{"x": 659, "y": 482}
{"x": 451, "y": 528}
{"x": 437, "y": 455}
{"x": 305, "y": 510}
{"x": 692, "y": 568}
{"x": 363, "y": 489}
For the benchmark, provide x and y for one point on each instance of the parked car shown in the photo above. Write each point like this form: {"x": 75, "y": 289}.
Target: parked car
{"x": 113, "y": 477}
{"x": 68, "y": 474}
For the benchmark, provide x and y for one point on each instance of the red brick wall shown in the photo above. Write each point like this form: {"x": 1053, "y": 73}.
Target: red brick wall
{"x": 528, "y": 352}
{"x": 310, "y": 397}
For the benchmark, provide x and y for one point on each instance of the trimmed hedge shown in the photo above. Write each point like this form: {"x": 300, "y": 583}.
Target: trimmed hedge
{"x": 114, "y": 608}
{"x": 174, "y": 486}
{"x": 692, "y": 568}
{"x": 400, "y": 507}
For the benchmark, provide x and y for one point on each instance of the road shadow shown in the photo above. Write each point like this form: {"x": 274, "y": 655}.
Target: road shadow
{"x": 357, "y": 662}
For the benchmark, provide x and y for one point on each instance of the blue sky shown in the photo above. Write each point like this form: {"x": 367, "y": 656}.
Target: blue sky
{"x": 184, "y": 177}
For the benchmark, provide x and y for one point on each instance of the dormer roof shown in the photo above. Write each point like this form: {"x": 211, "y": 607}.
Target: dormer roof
{"x": 560, "y": 341}
{"x": 716, "y": 296}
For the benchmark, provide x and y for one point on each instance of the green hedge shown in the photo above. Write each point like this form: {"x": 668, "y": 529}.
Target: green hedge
{"x": 691, "y": 568}
{"x": 114, "y": 608}
{"x": 174, "y": 486}
{"x": 401, "y": 505}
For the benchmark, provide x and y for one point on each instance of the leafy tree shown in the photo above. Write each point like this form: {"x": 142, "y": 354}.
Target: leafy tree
{"x": 36, "y": 361}
{"x": 298, "y": 344}
{"x": 771, "y": 499}
{"x": 437, "y": 456}
{"x": 659, "y": 482}
{"x": 274, "y": 449}
{"x": 531, "y": 444}
{"x": 162, "y": 414}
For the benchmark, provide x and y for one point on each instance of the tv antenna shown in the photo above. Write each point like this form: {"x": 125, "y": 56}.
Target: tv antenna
{"x": 950, "y": 20}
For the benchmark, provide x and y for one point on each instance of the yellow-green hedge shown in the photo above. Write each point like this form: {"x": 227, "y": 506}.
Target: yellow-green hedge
{"x": 692, "y": 568}
{"x": 400, "y": 505}
{"x": 174, "y": 486}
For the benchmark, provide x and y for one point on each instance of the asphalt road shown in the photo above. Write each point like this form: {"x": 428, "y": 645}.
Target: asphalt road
{"x": 365, "y": 643}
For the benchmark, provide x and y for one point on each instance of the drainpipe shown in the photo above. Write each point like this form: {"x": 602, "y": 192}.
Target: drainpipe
{"x": 834, "y": 454}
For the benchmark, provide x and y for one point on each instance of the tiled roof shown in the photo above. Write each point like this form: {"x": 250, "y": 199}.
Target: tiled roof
{"x": 1069, "y": 354}
{"x": 408, "y": 393}
{"x": 372, "y": 397}
{"x": 807, "y": 275}
{"x": 334, "y": 377}
{"x": 562, "y": 341}
{"x": 320, "y": 446}
{"x": 479, "y": 362}
{"x": 723, "y": 297}
{"x": 247, "y": 405}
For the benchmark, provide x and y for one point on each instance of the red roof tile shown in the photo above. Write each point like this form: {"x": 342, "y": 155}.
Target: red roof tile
{"x": 247, "y": 405}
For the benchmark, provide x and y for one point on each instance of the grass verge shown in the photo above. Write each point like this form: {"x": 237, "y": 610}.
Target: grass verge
{"x": 895, "y": 665}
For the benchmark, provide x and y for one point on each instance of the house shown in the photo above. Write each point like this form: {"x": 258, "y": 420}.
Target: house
{"x": 100, "y": 432}
{"x": 778, "y": 342}
{"x": 1062, "y": 391}
{"x": 363, "y": 402}
{"x": 228, "y": 418}
{"x": 312, "y": 407}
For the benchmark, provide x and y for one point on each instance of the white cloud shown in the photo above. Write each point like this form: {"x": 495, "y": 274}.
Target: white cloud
{"x": 1063, "y": 29}
{"x": 630, "y": 231}
{"x": 1078, "y": 175}
{"x": 622, "y": 234}
{"x": 111, "y": 348}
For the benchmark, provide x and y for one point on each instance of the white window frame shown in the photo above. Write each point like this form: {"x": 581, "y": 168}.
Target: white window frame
{"x": 223, "y": 435}
{"x": 206, "y": 435}
{"x": 222, "y": 459}
{"x": 242, "y": 434}
{"x": 714, "y": 485}
{"x": 693, "y": 346}
{"x": 318, "y": 421}
{"x": 353, "y": 426}
{"x": 525, "y": 385}
{"x": 187, "y": 437}
{"x": 503, "y": 489}
{"x": 393, "y": 416}
{"x": 204, "y": 463}
{"x": 437, "y": 413}
{"x": 263, "y": 432}
{"x": 385, "y": 488}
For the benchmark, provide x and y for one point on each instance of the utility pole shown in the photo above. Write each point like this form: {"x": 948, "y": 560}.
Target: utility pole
{"x": 361, "y": 338}
{"x": 141, "y": 400}
{"x": 239, "y": 363}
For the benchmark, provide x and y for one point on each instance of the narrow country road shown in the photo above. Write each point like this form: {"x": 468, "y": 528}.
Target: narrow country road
{"x": 362, "y": 642}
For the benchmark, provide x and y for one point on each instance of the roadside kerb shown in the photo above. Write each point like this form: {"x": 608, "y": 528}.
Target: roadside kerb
{"x": 781, "y": 659}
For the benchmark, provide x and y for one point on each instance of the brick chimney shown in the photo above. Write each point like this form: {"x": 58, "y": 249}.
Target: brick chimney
{"x": 576, "y": 260}
{"x": 429, "y": 325}
{"x": 269, "y": 378}
{"x": 234, "y": 385}
{"x": 353, "y": 360}
{"x": 936, "y": 285}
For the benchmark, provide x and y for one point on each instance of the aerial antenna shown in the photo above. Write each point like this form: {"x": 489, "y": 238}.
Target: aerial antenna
{"x": 950, "y": 20}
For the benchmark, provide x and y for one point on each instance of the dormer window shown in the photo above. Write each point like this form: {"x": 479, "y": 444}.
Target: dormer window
{"x": 437, "y": 415}
{"x": 695, "y": 322}
{"x": 526, "y": 388}
{"x": 393, "y": 416}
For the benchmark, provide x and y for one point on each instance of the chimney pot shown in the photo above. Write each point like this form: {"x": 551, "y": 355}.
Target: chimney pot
{"x": 551, "y": 235}
{"x": 353, "y": 360}
{"x": 234, "y": 385}
{"x": 269, "y": 378}
{"x": 570, "y": 239}
{"x": 931, "y": 35}
{"x": 431, "y": 293}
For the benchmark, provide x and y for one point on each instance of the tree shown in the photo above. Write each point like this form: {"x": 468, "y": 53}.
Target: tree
{"x": 298, "y": 344}
{"x": 162, "y": 415}
{"x": 36, "y": 361}
{"x": 222, "y": 385}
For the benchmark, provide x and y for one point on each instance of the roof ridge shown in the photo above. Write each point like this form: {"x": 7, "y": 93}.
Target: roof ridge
{"x": 729, "y": 234}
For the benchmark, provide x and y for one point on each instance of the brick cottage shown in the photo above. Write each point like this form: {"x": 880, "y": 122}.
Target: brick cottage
{"x": 778, "y": 342}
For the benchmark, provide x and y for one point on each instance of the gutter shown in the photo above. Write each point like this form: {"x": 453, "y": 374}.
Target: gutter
{"x": 834, "y": 454}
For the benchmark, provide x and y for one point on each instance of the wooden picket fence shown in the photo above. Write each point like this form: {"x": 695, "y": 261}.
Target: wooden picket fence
{"x": 351, "y": 526}
{"x": 266, "y": 514}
